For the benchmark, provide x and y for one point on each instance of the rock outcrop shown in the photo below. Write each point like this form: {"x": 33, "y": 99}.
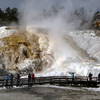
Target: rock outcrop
{"x": 19, "y": 53}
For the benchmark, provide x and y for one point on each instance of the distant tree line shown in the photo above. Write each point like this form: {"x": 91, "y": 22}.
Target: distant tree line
{"x": 8, "y": 16}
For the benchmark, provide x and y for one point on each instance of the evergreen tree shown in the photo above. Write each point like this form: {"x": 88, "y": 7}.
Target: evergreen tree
{"x": 8, "y": 16}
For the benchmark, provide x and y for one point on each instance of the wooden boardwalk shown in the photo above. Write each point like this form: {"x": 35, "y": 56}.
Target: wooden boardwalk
{"x": 55, "y": 80}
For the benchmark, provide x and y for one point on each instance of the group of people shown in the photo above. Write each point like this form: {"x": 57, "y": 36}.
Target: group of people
{"x": 31, "y": 79}
{"x": 11, "y": 79}
{"x": 90, "y": 76}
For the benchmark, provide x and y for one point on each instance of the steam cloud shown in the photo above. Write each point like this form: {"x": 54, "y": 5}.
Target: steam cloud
{"x": 59, "y": 16}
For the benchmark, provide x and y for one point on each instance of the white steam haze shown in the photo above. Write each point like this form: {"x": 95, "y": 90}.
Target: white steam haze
{"x": 58, "y": 14}
{"x": 59, "y": 17}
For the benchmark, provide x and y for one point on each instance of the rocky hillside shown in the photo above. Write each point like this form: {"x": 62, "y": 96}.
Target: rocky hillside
{"x": 37, "y": 50}
{"x": 20, "y": 52}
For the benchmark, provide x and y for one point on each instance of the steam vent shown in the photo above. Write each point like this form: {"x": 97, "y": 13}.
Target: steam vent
{"x": 22, "y": 53}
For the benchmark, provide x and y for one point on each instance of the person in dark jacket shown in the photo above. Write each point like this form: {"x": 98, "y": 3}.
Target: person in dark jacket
{"x": 90, "y": 76}
{"x": 17, "y": 79}
{"x": 11, "y": 79}
{"x": 29, "y": 79}
{"x": 99, "y": 77}
{"x": 72, "y": 75}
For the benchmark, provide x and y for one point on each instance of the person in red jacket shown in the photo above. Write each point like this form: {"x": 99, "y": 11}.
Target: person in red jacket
{"x": 33, "y": 78}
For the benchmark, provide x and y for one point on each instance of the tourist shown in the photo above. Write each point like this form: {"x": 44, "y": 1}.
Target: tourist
{"x": 6, "y": 80}
{"x": 33, "y": 78}
{"x": 11, "y": 79}
{"x": 99, "y": 77}
{"x": 90, "y": 76}
{"x": 18, "y": 79}
{"x": 72, "y": 75}
{"x": 29, "y": 79}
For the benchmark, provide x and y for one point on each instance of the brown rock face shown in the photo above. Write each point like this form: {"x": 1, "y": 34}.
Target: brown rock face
{"x": 22, "y": 52}
{"x": 16, "y": 49}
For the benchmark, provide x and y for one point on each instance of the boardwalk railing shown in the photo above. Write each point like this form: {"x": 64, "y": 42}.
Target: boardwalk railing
{"x": 55, "y": 80}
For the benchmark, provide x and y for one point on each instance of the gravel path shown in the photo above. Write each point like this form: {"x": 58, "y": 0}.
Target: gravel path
{"x": 49, "y": 93}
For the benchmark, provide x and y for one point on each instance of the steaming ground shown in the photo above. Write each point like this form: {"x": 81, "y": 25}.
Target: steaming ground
{"x": 79, "y": 53}
{"x": 76, "y": 51}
